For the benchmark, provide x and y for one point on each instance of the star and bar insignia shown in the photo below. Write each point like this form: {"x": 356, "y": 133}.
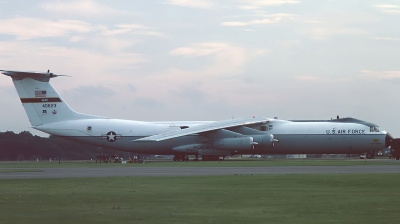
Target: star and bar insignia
{"x": 111, "y": 136}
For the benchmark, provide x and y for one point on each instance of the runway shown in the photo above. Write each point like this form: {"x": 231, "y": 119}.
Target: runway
{"x": 192, "y": 171}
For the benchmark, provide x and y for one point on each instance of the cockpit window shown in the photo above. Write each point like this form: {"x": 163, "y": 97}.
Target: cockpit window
{"x": 374, "y": 129}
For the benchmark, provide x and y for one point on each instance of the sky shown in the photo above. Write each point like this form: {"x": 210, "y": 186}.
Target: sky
{"x": 177, "y": 60}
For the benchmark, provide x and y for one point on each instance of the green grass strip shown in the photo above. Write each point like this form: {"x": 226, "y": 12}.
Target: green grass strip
{"x": 306, "y": 198}
{"x": 18, "y": 170}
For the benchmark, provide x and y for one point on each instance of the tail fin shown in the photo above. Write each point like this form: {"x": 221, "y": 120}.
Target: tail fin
{"x": 41, "y": 101}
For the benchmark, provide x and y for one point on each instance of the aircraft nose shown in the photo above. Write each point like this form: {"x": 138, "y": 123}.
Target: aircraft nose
{"x": 388, "y": 140}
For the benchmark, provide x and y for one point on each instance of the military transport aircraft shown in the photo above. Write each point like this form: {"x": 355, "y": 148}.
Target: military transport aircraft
{"x": 49, "y": 113}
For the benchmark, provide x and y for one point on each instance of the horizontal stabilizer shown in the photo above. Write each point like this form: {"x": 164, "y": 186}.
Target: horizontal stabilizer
{"x": 39, "y": 76}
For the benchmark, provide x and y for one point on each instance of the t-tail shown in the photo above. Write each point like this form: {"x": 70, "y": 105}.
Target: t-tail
{"x": 41, "y": 101}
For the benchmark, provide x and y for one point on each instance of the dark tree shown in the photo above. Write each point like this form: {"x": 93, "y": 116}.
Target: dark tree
{"x": 25, "y": 146}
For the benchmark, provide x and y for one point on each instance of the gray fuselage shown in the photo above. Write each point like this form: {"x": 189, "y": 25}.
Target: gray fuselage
{"x": 341, "y": 136}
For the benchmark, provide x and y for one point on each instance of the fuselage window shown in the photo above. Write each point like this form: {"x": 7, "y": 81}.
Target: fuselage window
{"x": 263, "y": 128}
{"x": 270, "y": 126}
{"x": 373, "y": 129}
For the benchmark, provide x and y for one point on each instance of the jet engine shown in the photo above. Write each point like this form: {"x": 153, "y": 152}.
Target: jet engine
{"x": 265, "y": 140}
{"x": 242, "y": 143}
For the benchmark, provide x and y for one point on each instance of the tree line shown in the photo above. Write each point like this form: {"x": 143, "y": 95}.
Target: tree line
{"x": 25, "y": 146}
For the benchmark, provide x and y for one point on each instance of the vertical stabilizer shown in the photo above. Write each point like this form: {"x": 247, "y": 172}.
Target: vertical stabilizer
{"x": 41, "y": 101}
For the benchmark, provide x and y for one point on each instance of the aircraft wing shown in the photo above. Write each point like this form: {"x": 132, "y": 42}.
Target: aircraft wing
{"x": 204, "y": 128}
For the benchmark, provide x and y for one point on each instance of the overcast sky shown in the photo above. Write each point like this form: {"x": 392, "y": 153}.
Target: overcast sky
{"x": 160, "y": 60}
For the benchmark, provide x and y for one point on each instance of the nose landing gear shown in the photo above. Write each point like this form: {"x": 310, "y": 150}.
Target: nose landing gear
{"x": 395, "y": 148}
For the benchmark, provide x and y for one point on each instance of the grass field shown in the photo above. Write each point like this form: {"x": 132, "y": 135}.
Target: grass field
{"x": 227, "y": 163}
{"x": 310, "y": 198}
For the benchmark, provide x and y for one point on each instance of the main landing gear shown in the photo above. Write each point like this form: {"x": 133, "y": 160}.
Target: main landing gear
{"x": 370, "y": 155}
{"x": 181, "y": 158}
